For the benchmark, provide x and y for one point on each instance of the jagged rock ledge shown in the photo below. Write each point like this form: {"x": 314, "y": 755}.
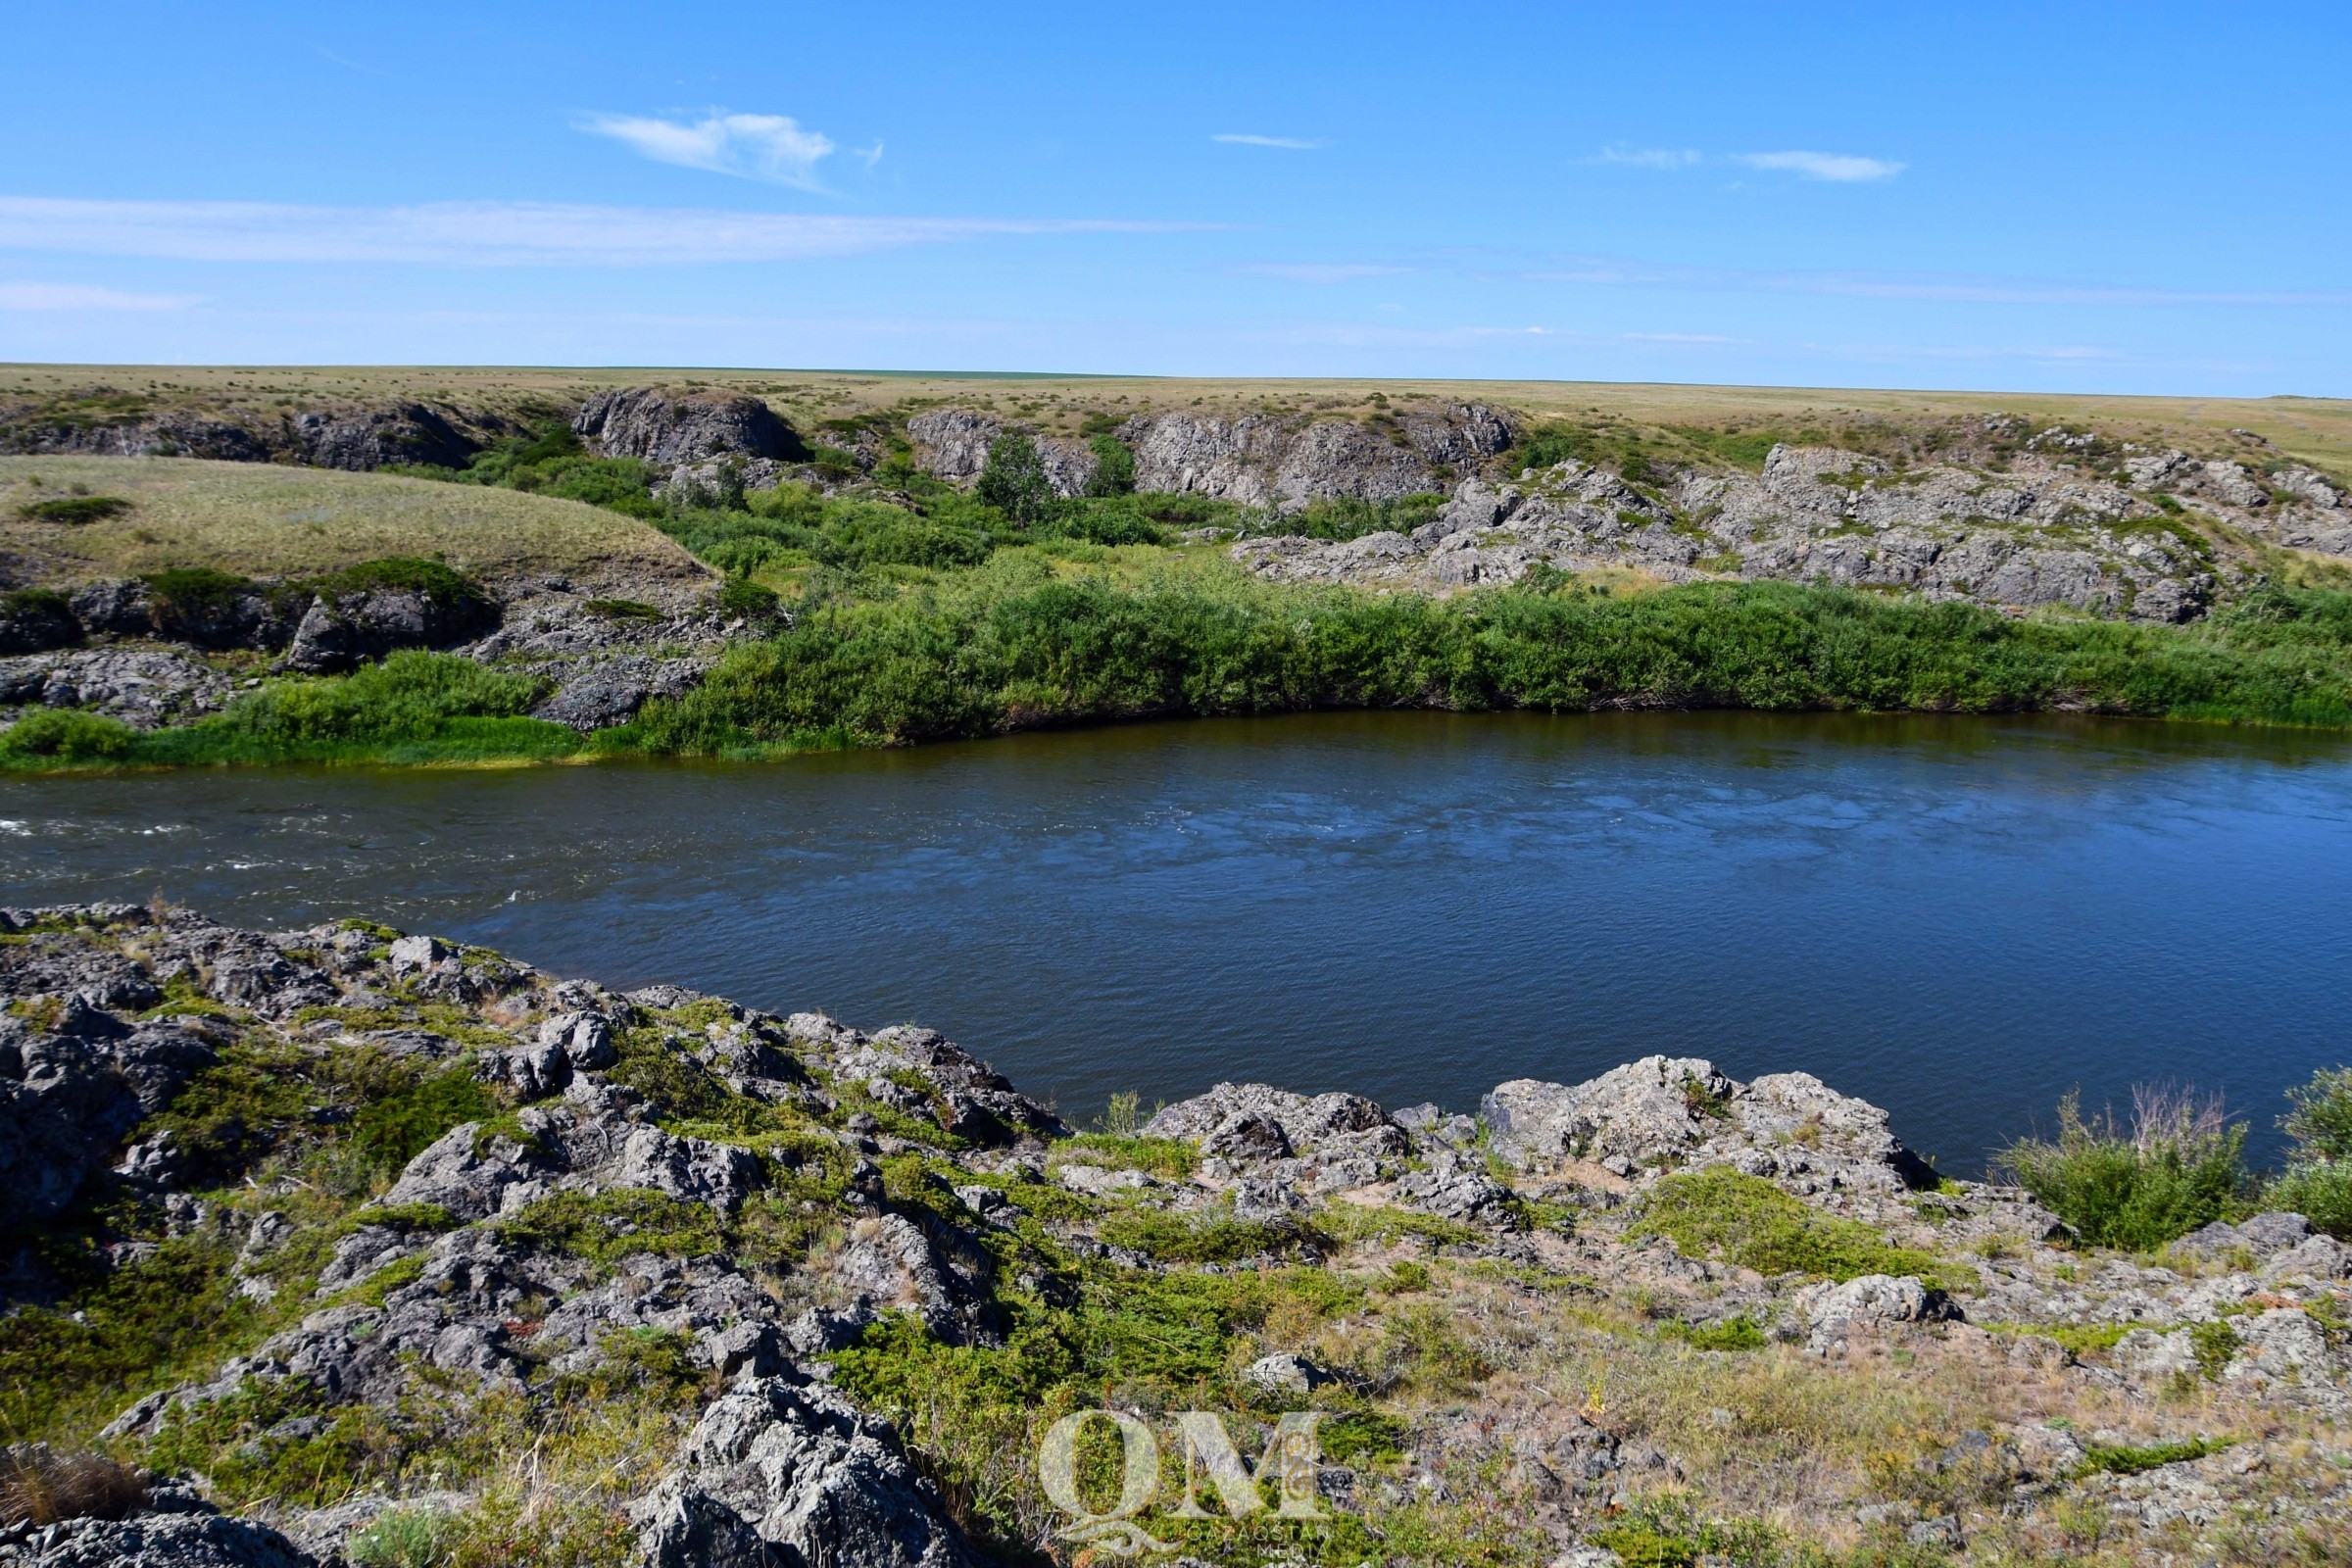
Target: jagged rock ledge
{"x": 593, "y": 1105}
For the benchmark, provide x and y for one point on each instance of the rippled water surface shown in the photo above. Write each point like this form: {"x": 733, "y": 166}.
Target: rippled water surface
{"x": 1959, "y": 920}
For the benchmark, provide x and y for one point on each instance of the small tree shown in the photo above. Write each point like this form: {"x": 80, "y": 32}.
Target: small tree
{"x": 1013, "y": 480}
{"x": 1114, "y": 467}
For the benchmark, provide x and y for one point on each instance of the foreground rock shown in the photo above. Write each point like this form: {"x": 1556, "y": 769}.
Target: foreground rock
{"x": 666, "y": 1245}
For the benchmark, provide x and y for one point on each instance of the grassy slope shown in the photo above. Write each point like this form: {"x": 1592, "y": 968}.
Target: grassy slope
{"x": 265, "y": 520}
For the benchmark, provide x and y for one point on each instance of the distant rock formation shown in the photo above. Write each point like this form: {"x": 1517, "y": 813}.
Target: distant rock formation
{"x": 664, "y": 428}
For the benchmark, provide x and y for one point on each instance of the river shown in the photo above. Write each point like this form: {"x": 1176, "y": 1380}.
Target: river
{"x": 1960, "y": 920}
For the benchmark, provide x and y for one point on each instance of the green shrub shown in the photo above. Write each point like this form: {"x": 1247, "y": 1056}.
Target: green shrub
{"x": 739, "y": 596}
{"x": 1170, "y": 1158}
{"x": 196, "y": 590}
{"x": 2181, "y": 1167}
{"x": 394, "y": 1130}
{"x": 2125, "y": 1460}
{"x": 2320, "y": 1124}
{"x": 1013, "y": 479}
{"x": 607, "y": 1227}
{"x": 622, "y": 610}
{"x": 1174, "y": 1239}
{"x": 68, "y": 735}
{"x": 35, "y": 602}
{"x": 1724, "y": 1214}
{"x": 1347, "y": 518}
{"x": 1732, "y": 1334}
{"x": 402, "y": 1538}
{"x": 73, "y": 510}
{"x": 443, "y": 586}
{"x": 409, "y": 695}
{"x": 1115, "y": 467}
{"x": 2321, "y": 1193}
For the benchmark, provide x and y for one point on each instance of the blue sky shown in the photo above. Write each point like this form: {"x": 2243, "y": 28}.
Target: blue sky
{"x": 2146, "y": 198}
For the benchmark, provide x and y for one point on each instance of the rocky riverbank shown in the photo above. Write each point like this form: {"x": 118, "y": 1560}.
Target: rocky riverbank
{"x": 340, "y": 1243}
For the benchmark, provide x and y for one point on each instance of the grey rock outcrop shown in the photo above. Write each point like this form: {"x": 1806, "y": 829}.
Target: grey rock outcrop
{"x": 1323, "y": 1143}
{"x": 1257, "y": 459}
{"x": 672, "y": 427}
{"x": 145, "y": 690}
{"x": 953, "y": 445}
{"x": 35, "y": 622}
{"x": 340, "y": 630}
{"x": 341, "y": 435}
{"x": 158, "y": 1541}
{"x": 372, "y": 438}
{"x": 1283, "y": 463}
{"x": 2038, "y": 534}
{"x": 778, "y": 1472}
{"x": 1663, "y": 1111}
{"x": 601, "y": 694}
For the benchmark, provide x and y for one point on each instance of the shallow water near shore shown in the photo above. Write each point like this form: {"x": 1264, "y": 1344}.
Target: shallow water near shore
{"x": 1959, "y": 920}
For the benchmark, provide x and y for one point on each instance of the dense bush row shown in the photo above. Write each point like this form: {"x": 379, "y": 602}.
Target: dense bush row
{"x": 1017, "y": 644}
{"x": 2181, "y": 1166}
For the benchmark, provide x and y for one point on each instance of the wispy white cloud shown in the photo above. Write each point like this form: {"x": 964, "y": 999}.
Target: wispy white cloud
{"x": 1244, "y": 139}
{"x": 1347, "y": 335}
{"x": 766, "y": 147}
{"x": 1608, "y": 272}
{"x": 868, "y": 156}
{"x": 490, "y": 233}
{"x": 1644, "y": 157}
{"x": 1842, "y": 167}
{"x": 83, "y": 297}
{"x": 1319, "y": 271}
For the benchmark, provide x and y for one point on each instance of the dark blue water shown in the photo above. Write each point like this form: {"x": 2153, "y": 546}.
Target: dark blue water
{"x": 1959, "y": 920}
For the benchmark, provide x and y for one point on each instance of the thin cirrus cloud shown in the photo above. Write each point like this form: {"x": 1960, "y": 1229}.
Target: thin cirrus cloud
{"x": 1247, "y": 138}
{"x": 489, "y": 234}
{"x": 84, "y": 297}
{"x": 1320, "y": 272}
{"x": 1644, "y": 157}
{"x": 1609, "y": 272}
{"x": 1837, "y": 167}
{"x": 1842, "y": 169}
{"x": 774, "y": 148}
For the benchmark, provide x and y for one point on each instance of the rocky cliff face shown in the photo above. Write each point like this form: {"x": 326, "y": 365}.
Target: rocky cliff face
{"x": 2038, "y": 533}
{"x": 353, "y": 438}
{"x": 659, "y": 1241}
{"x": 1256, "y": 460}
{"x": 669, "y": 428}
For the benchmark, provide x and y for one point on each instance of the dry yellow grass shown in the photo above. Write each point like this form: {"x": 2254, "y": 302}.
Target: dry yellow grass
{"x": 2318, "y": 430}
{"x": 265, "y": 521}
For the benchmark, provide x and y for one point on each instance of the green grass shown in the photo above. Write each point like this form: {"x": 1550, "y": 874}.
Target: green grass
{"x": 1742, "y": 1219}
{"x": 266, "y": 519}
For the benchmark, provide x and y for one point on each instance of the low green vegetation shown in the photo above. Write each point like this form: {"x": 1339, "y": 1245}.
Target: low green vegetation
{"x": 2178, "y": 1167}
{"x": 1723, "y": 1214}
{"x": 2181, "y": 1166}
{"x": 413, "y": 706}
{"x": 2318, "y": 1180}
{"x": 73, "y": 510}
{"x": 2123, "y": 1460}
